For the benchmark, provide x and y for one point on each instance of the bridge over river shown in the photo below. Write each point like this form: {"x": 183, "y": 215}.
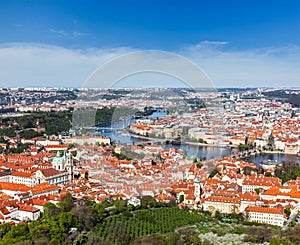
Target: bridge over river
{"x": 152, "y": 141}
{"x": 247, "y": 153}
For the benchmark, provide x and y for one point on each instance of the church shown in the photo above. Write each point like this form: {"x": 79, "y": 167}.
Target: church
{"x": 61, "y": 172}
{"x": 64, "y": 163}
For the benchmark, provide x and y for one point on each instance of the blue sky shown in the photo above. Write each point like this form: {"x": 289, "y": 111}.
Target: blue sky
{"x": 241, "y": 43}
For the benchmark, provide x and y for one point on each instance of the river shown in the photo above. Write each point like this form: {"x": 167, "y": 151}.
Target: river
{"x": 200, "y": 151}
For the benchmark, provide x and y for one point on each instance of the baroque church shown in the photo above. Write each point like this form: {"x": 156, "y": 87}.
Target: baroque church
{"x": 64, "y": 163}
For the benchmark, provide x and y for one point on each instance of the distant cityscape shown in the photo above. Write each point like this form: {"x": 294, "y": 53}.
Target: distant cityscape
{"x": 145, "y": 143}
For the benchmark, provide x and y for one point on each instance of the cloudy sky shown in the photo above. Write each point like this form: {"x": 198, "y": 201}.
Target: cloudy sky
{"x": 236, "y": 43}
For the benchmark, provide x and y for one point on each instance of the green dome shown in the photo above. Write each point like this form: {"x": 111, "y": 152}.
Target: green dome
{"x": 58, "y": 159}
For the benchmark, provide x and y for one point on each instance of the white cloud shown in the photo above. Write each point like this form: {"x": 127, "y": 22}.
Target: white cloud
{"x": 59, "y": 32}
{"x": 80, "y": 34}
{"x": 44, "y": 65}
{"x": 63, "y": 33}
{"x": 271, "y": 66}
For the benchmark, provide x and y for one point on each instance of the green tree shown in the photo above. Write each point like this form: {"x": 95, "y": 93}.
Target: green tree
{"x": 275, "y": 241}
{"x": 2, "y": 140}
{"x": 28, "y": 134}
{"x": 50, "y": 209}
{"x": 181, "y": 198}
{"x": 287, "y": 211}
{"x": 259, "y": 234}
{"x": 213, "y": 173}
{"x": 9, "y": 132}
{"x": 268, "y": 174}
{"x": 16, "y": 234}
{"x": 257, "y": 190}
{"x": 218, "y": 215}
{"x": 4, "y": 228}
{"x": 67, "y": 203}
{"x": 87, "y": 217}
{"x": 247, "y": 170}
{"x": 60, "y": 225}
{"x": 288, "y": 171}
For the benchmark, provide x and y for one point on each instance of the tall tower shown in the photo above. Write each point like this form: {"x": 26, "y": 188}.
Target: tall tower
{"x": 197, "y": 191}
{"x": 69, "y": 165}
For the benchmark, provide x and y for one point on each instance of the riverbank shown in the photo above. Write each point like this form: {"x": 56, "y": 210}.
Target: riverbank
{"x": 189, "y": 143}
{"x": 208, "y": 145}
{"x": 278, "y": 152}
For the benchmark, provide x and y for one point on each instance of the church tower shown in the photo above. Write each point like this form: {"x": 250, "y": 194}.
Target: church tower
{"x": 197, "y": 191}
{"x": 69, "y": 165}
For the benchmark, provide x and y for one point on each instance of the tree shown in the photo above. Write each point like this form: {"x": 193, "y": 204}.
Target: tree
{"x": 87, "y": 217}
{"x": 235, "y": 210}
{"x": 287, "y": 211}
{"x": 4, "y": 228}
{"x": 259, "y": 234}
{"x": 149, "y": 202}
{"x": 67, "y": 203}
{"x": 288, "y": 171}
{"x": 28, "y": 134}
{"x": 268, "y": 174}
{"x": 50, "y": 209}
{"x": 275, "y": 241}
{"x": 181, "y": 198}
{"x": 81, "y": 239}
{"x": 247, "y": 170}
{"x": 16, "y": 234}
{"x": 9, "y": 132}
{"x": 213, "y": 173}
{"x": 60, "y": 225}
{"x": 2, "y": 140}
{"x": 218, "y": 215}
{"x": 257, "y": 190}
{"x": 121, "y": 205}
{"x": 38, "y": 231}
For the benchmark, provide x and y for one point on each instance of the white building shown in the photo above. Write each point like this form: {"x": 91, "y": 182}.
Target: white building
{"x": 226, "y": 205}
{"x": 134, "y": 201}
{"x": 81, "y": 140}
{"x": 26, "y": 213}
{"x": 272, "y": 216}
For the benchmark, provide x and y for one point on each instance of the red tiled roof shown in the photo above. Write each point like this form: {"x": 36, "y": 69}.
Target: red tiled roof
{"x": 50, "y": 172}
{"x": 14, "y": 187}
{"x": 56, "y": 146}
{"x": 222, "y": 199}
{"x": 44, "y": 187}
{"x": 27, "y": 208}
{"x": 22, "y": 174}
{"x": 263, "y": 210}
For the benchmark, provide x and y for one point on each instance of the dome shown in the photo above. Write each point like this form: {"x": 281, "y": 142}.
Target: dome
{"x": 58, "y": 159}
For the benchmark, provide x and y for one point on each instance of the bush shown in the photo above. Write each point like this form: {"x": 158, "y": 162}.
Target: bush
{"x": 238, "y": 230}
